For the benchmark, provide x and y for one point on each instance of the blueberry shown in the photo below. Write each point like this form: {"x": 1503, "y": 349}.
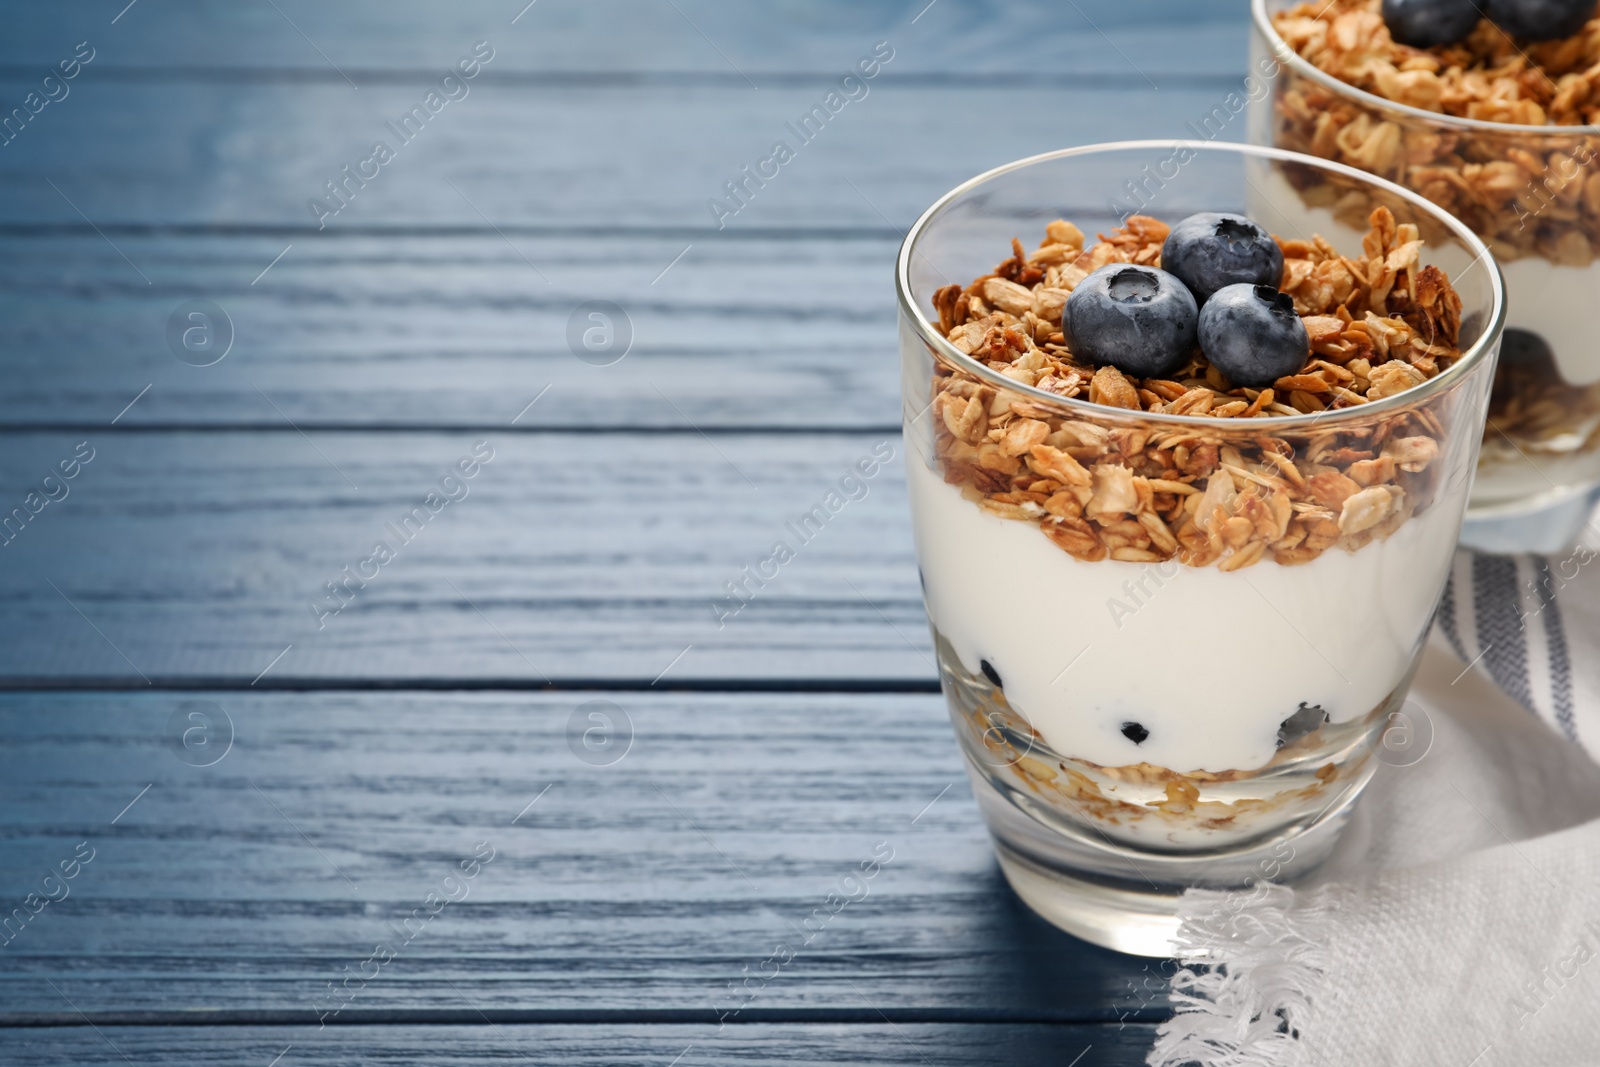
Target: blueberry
{"x": 1306, "y": 720}
{"x": 1211, "y": 250}
{"x": 1252, "y": 334}
{"x": 1425, "y": 23}
{"x": 990, "y": 673}
{"x": 1524, "y": 348}
{"x": 1540, "y": 20}
{"x": 1134, "y": 732}
{"x": 1527, "y": 367}
{"x": 1140, "y": 320}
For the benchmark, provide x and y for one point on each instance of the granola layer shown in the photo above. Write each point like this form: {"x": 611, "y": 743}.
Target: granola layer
{"x": 1488, "y": 76}
{"x": 1525, "y": 194}
{"x": 1186, "y": 799}
{"x": 1531, "y": 196}
{"x": 1107, "y": 489}
{"x": 1155, "y": 805}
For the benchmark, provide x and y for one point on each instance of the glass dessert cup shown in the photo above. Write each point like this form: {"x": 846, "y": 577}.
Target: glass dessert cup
{"x": 1532, "y": 193}
{"x": 1162, "y": 709}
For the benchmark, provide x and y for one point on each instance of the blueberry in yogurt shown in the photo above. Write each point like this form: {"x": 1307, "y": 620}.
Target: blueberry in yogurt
{"x": 1524, "y": 348}
{"x": 1135, "y": 732}
{"x": 1426, "y": 23}
{"x": 1306, "y": 720}
{"x": 1540, "y": 20}
{"x": 1252, "y": 334}
{"x": 1212, "y": 250}
{"x": 1139, "y": 320}
{"x": 990, "y": 673}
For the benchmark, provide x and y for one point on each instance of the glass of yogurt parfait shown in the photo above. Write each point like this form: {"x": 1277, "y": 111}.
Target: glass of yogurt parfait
{"x": 1498, "y": 124}
{"x": 1184, "y": 495}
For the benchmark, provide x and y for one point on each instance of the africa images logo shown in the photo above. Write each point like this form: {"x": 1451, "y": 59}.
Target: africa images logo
{"x": 452, "y": 86}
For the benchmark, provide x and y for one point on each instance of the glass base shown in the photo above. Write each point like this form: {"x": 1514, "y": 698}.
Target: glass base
{"x": 1127, "y": 900}
{"x": 1107, "y": 853}
{"x": 1123, "y": 920}
{"x": 1549, "y": 524}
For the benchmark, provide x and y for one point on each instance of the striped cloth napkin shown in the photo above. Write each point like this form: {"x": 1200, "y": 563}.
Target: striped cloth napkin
{"x": 1458, "y": 924}
{"x": 1517, "y": 618}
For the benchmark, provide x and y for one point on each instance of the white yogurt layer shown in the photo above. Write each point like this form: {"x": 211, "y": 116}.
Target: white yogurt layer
{"x": 1209, "y": 662}
{"x": 1561, "y": 304}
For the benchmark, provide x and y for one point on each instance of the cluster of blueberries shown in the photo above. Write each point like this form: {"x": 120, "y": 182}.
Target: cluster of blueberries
{"x": 1219, "y": 289}
{"x": 1426, "y": 23}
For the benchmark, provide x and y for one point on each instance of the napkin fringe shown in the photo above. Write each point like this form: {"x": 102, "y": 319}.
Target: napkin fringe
{"x": 1256, "y": 961}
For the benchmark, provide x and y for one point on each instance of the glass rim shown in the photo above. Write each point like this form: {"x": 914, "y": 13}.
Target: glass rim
{"x": 1288, "y": 57}
{"x": 1409, "y": 398}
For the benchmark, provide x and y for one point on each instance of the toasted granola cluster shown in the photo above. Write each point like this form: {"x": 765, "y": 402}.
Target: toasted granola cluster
{"x": 1526, "y": 194}
{"x": 1105, "y": 489}
{"x": 1488, "y": 76}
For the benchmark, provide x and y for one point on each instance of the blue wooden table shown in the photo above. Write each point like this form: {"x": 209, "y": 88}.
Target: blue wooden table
{"x": 518, "y": 787}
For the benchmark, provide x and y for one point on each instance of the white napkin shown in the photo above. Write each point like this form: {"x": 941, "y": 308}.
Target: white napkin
{"x": 1458, "y": 925}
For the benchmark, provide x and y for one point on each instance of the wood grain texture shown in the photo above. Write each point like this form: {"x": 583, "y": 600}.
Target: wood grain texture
{"x": 223, "y": 899}
{"x": 511, "y": 155}
{"x": 457, "y": 1046}
{"x": 182, "y": 555}
{"x": 454, "y": 331}
{"x": 310, "y": 40}
{"x": 645, "y": 885}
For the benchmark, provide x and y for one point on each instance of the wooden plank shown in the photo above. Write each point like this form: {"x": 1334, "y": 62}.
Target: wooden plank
{"x": 911, "y": 1044}
{"x": 573, "y": 556}
{"x": 512, "y": 155}
{"x": 244, "y": 887}
{"x": 721, "y": 37}
{"x": 454, "y": 331}
{"x": 645, "y": 885}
